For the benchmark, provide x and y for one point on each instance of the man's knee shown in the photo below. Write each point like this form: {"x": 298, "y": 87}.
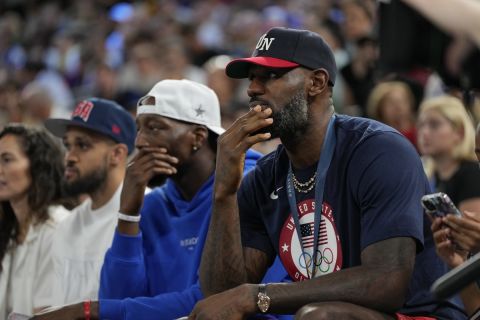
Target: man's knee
{"x": 322, "y": 311}
{"x": 337, "y": 310}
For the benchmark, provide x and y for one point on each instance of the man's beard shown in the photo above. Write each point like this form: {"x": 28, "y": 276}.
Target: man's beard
{"x": 88, "y": 184}
{"x": 291, "y": 122}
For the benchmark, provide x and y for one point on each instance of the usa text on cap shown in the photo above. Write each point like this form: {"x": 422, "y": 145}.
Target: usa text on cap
{"x": 99, "y": 115}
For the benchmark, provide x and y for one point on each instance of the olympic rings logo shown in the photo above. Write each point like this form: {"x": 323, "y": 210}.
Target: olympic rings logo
{"x": 323, "y": 262}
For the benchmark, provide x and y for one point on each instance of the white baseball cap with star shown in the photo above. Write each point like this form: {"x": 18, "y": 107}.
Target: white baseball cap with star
{"x": 183, "y": 100}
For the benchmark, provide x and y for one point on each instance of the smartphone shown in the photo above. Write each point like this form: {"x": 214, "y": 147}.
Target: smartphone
{"x": 439, "y": 205}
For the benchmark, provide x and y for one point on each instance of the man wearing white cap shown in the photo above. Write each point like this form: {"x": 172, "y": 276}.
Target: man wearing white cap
{"x": 178, "y": 123}
{"x": 157, "y": 246}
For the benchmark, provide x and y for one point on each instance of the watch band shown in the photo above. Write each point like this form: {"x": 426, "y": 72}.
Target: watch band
{"x": 263, "y": 300}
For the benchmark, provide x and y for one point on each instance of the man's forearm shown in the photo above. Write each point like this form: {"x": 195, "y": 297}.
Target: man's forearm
{"x": 380, "y": 283}
{"x": 223, "y": 265}
{"x": 125, "y": 257}
{"x": 128, "y": 228}
{"x": 373, "y": 288}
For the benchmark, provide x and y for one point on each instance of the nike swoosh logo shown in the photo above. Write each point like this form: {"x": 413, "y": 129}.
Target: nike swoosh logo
{"x": 274, "y": 194}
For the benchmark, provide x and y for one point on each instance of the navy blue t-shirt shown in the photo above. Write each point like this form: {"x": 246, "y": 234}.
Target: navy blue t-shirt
{"x": 372, "y": 193}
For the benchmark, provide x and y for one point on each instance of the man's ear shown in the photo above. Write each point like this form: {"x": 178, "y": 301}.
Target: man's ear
{"x": 200, "y": 136}
{"x": 118, "y": 154}
{"x": 318, "y": 82}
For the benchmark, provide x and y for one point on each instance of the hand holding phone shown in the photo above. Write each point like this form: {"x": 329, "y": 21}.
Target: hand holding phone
{"x": 440, "y": 208}
{"x": 439, "y": 205}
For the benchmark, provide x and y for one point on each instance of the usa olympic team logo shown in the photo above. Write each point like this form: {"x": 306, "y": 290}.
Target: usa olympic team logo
{"x": 298, "y": 264}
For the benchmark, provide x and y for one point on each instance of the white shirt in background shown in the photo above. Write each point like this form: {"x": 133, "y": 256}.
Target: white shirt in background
{"x": 25, "y": 282}
{"x": 79, "y": 247}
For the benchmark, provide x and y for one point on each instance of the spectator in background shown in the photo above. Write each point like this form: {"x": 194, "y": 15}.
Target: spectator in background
{"x": 10, "y": 109}
{"x": 72, "y": 39}
{"x": 144, "y": 65}
{"x": 105, "y": 82}
{"x": 393, "y": 103}
{"x": 446, "y": 139}
{"x": 176, "y": 63}
{"x": 359, "y": 19}
{"x": 64, "y": 55}
{"x": 37, "y": 105}
{"x": 194, "y": 45}
{"x": 242, "y": 30}
{"x": 12, "y": 54}
{"x": 330, "y": 31}
{"x": 121, "y": 15}
{"x": 458, "y": 237}
{"x": 30, "y": 191}
{"x": 358, "y": 74}
{"x": 98, "y": 138}
{"x": 224, "y": 87}
{"x": 36, "y": 73}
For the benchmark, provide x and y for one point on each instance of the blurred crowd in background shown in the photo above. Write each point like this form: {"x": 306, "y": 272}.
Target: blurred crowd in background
{"x": 393, "y": 67}
{"x": 53, "y": 53}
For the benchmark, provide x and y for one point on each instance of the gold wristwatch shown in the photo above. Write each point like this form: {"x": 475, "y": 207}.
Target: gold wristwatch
{"x": 263, "y": 300}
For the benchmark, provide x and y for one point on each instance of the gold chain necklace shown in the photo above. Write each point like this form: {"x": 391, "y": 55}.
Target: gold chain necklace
{"x": 304, "y": 187}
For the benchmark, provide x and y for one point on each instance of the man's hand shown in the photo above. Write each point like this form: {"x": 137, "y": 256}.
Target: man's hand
{"x": 233, "y": 304}
{"x": 148, "y": 163}
{"x": 69, "y": 312}
{"x": 465, "y": 230}
{"x": 446, "y": 249}
{"x": 232, "y": 146}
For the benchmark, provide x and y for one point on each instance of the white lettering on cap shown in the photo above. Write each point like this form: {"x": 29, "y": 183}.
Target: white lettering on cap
{"x": 264, "y": 43}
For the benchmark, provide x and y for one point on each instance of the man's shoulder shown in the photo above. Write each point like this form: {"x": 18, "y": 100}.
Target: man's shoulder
{"x": 362, "y": 127}
{"x": 353, "y": 133}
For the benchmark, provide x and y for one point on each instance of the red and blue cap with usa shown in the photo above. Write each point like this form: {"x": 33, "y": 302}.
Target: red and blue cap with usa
{"x": 102, "y": 116}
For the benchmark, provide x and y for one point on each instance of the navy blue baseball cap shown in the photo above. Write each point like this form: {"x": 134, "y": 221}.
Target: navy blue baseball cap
{"x": 101, "y": 116}
{"x": 287, "y": 48}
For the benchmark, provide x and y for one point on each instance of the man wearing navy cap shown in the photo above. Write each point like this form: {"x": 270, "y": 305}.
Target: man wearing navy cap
{"x": 98, "y": 139}
{"x": 338, "y": 201}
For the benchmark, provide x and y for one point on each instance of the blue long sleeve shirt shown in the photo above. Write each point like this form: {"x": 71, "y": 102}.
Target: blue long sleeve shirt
{"x": 154, "y": 275}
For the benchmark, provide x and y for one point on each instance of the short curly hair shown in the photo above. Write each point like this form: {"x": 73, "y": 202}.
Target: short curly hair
{"x": 45, "y": 154}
